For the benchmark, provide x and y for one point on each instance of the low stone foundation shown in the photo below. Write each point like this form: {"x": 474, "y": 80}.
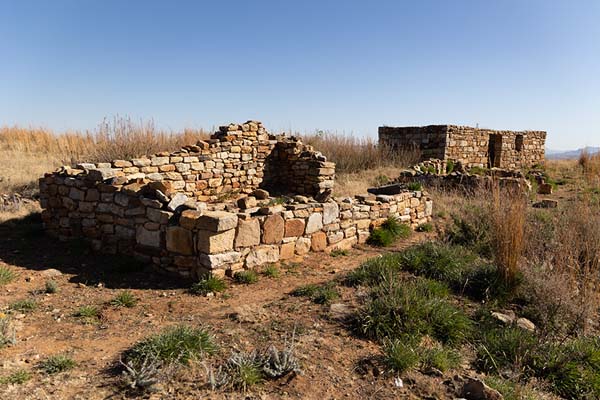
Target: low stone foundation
{"x": 203, "y": 209}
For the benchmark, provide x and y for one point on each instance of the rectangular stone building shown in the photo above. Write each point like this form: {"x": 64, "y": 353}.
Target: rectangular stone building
{"x": 471, "y": 146}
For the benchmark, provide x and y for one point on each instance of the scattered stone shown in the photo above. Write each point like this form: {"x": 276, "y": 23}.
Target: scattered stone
{"x": 546, "y": 203}
{"x": 475, "y": 389}
{"x": 260, "y": 194}
{"x": 545, "y": 188}
{"x": 51, "y": 273}
{"x": 526, "y": 324}
{"x": 178, "y": 200}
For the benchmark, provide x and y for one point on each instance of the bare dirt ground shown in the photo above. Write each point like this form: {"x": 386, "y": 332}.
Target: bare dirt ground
{"x": 336, "y": 363}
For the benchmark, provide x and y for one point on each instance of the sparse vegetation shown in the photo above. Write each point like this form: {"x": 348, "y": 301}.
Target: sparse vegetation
{"x": 426, "y": 227}
{"x": 124, "y": 299}
{"x": 57, "y": 363}
{"x": 16, "y": 378}
{"x": 6, "y": 275}
{"x": 388, "y": 233}
{"x": 51, "y": 287}
{"x": 246, "y": 277}
{"x": 271, "y": 271}
{"x": 8, "y": 334}
{"x": 26, "y": 305}
{"x": 179, "y": 344}
{"x": 339, "y": 253}
{"x": 414, "y": 186}
{"x": 87, "y": 314}
{"x": 320, "y": 294}
{"x": 211, "y": 284}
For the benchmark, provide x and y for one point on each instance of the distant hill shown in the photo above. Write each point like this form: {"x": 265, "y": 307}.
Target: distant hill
{"x": 569, "y": 154}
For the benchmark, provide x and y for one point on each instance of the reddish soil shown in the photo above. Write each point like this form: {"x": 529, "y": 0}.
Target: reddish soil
{"x": 336, "y": 363}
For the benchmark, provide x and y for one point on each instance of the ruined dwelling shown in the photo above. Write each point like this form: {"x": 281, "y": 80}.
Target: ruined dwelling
{"x": 470, "y": 146}
{"x": 204, "y": 209}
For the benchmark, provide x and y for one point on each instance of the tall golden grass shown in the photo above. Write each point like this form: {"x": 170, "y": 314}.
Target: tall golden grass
{"x": 590, "y": 165}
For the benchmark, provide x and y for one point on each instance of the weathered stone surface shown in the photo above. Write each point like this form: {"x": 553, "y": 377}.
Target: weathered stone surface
{"x": 147, "y": 238}
{"x": 179, "y": 240}
{"x": 302, "y": 246}
{"x": 546, "y": 203}
{"x": 248, "y": 233}
{"x": 526, "y": 324}
{"x": 247, "y": 202}
{"x": 217, "y": 221}
{"x": 331, "y": 212}
{"x": 261, "y": 255}
{"x": 215, "y": 242}
{"x": 178, "y": 199}
{"x": 287, "y": 250}
{"x": 315, "y": 223}
{"x": 294, "y": 227}
{"x": 273, "y": 229}
{"x": 545, "y": 188}
{"x": 318, "y": 241}
{"x": 160, "y": 216}
{"x": 213, "y": 261}
{"x": 101, "y": 174}
{"x": 260, "y": 194}
{"x": 474, "y": 389}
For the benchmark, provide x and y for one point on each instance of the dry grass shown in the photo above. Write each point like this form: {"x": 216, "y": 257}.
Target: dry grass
{"x": 508, "y": 216}
{"x": 25, "y": 154}
{"x": 590, "y": 165}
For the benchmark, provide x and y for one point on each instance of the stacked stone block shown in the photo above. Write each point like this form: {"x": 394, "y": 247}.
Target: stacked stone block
{"x": 468, "y": 145}
{"x": 200, "y": 210}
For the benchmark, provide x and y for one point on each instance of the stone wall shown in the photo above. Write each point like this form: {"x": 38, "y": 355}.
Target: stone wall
{"x": 202, "y": 210}
{"x": 470, "y": 146}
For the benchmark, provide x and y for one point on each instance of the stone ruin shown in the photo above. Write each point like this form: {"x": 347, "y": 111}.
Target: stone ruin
{"x": 208, "y": 209}
{"x": 469, "y": 146}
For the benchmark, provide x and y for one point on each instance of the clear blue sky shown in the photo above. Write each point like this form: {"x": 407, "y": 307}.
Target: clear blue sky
{"x": 347, "y": 66}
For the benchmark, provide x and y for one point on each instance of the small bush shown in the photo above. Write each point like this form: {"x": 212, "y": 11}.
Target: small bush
{"x": 320, "y": 294}
{"x": 26, "y": 305}
{"x": 6, "y": 275}
{"x": 16, "y": 378}
{"x": 51, "y": 287}
{"x": 124, "y": 299}
{"x": 141, "y": 375}
{"x": 246, "y": 277}
{"x": 472, "y": 229}
{"x": 271, "y": 271}
{"x": 511, "y": 348}
{"x": 415, "y": 308}
{"x": 57, "y": 363}
{"x": 450, "y": 166}
{"x": 400, "y": 355}
{"x": 427, "y": 227}
{"x": 87, "y": 314}
{"x": 388, "y": 232}
{"x": 178, "y": 344}
{"x": 211, "y": 284}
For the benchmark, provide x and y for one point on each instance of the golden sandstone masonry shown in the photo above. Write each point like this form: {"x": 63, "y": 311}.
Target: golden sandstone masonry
{"x": 204, "y": 209}
{"x": 469, "y": 146}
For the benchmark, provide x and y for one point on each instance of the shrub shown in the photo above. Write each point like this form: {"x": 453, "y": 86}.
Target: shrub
{"x": 415, "y": 308}
{"x": 271, "y": 271}
{"x": 450, "y": 166}
{"x": 400, "y": 355}
{"x": 57, "y": 363}
{"x": 51, "y": 287}
{"x": 320, "y": 294}
{"x": 246, "y": 277}
{"x": 16, "y": 378}
{"x": 471, "y": 229}
{"x": 141, "y": 375}
{"x": 87, "y": 314}
{"x": 211, "y": 284}
{"x": 388, "y": 232}
{"x": 26, "y": 305}
{"x": 124, "y": 299}
{"x": 6, "y": 275}
{"x": 510, "y": 348}
{"x": 178, "y": 344}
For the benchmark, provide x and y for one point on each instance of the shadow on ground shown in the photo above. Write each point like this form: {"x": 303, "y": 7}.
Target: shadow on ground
{"x": 23, "y": 243}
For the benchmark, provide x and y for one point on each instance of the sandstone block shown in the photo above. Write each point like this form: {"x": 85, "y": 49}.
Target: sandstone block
{"x": 215, "y": 242}
{"x": 261, "y": 255}
{"x": 247, "y": 202}
{"x": 213, "y": 261}
{"x": 318, "y": 241}
{"x": 217, "y": 221}
{"x": 273, "y": 229}
{"x": 294, "y": 227}
{"x": 178, "y": 199}
{"x": 145, "y": 237}
{"x": 188, "y": 218}
{"x": 287, "y": 250}
{"x": 331, "y": 212}
{"x": 248, "y": 233}
{"x": 179, "y": 240}
{"x": 303, "y": 246}
{"x": 260, "y": 194}
{"x": 314, "y": 223}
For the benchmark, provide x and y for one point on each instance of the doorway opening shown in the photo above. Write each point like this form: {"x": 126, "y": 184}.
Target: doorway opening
{"x": 495, "y": 150}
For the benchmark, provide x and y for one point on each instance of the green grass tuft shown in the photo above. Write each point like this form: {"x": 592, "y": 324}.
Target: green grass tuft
{"x": 16, "y": 378}
{"x": 26, "y": 305}
{"x": 388, "y": 232}
{"x": 400, "y": 355}
{"x": 51, "y": 287}
{"x": 415, "y": 186}
{"x": 272, "y": 271}
{"x": 87, "y": 314}
{"x": 124, "y": 299}
{"x": 339, "y": 253}
{"x": 320, "y": 294}
{"x": 179, "y": 344}
{"x": 6, "y": 275}
{"x": 246, "y": 277}
{"x": 211, "y": 284}
{"x": 57, "y": 363}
